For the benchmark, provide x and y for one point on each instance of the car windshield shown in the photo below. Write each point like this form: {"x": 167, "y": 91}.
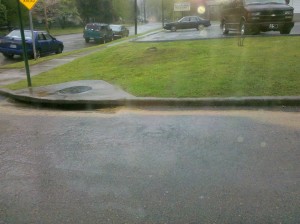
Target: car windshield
{"x": 265, "y": 1}
{"x": 184, "y": 19}
{"x": 92, "y": 27}
{"x": 17, "y": 34}
{"x": 116, "y": 27}
{"x": 150, "y": 112}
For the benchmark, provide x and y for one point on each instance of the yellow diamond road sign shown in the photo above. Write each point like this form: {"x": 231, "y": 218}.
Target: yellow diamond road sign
{"x": 29, "y": 3}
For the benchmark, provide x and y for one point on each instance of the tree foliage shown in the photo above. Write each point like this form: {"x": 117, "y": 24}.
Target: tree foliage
{"x": 123, "y": 11}
{"x": 59, "y": 11}
{"x": 12, "y": 13}
{"x": 66, "y": 12}
{"x": 106, "y": 10}
{"x": 95, "y": 10}
{"x": 3, "y": 14}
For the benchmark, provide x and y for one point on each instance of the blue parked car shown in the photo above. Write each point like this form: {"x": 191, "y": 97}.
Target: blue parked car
{"x": 11, "y": 44}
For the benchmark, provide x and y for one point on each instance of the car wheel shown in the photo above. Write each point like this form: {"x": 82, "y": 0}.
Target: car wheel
{"x": 285, "y": 30}
{"x": 200, "y": 27}
{"x": 8, "y": 55}
{"x": 59, "y": 50}
{"x": 256, "y": 32}
{"x": 224, "y": 29}
{"x": 87, "y": 40}
{"x": 38, "y": 53}
{"x": 173, "y": 28}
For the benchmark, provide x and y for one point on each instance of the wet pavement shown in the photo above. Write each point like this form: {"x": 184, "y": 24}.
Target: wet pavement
{"x": 76, "y": 91}
{"x": 211, "y": 32}
{"x": 149, "y": 167}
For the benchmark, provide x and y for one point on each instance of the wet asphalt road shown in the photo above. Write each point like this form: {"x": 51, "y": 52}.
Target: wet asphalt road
{"x": 212, "y": 32}
{"x": 76, "y": 41}
{"x": 138, "y": 166}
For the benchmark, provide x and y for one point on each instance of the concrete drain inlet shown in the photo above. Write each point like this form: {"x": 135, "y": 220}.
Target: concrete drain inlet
{"x": 75, "y": 90}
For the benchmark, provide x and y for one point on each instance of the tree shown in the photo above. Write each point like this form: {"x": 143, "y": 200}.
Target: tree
{"x": 45, "y": 10}
{"x": 96, "y": 10}
{"x": 154, "y": 8}
{"x": 123, "y": 11}
{"x": 106, "y": 11}
{"x": 3, "y": 14}
{"x": 67, "y": 11}
{"x": 61, "y": 11}
{"x": 12, "y": 13}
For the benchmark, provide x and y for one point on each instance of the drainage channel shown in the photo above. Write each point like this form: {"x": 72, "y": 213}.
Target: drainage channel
{"x": 75, "y": 90}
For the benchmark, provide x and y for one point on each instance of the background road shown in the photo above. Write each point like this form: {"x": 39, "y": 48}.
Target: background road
{"x": 76, "y": 41}
{"x": 213, "y": 31}
{"x": 138, "y": 166}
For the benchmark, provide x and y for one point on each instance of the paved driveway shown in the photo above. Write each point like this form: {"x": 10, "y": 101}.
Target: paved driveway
{"x": 213, "y": 31}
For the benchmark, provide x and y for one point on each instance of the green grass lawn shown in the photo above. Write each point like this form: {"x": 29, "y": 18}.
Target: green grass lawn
{"x": 203, "y": 68}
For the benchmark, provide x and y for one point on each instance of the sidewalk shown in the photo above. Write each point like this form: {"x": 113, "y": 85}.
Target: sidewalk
{"x": 9, "y": 76}
{"x": 97, "y": 93}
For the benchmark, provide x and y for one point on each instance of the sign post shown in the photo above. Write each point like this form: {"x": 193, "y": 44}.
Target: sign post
{"x": 29, "y": 5}
{"x": 31, "y": 28}
{"x": 135, "y": 16}
{"x": 162, "y": 13}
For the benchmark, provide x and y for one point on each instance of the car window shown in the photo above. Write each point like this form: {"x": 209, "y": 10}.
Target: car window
{"x": 185, "y": 19}
{"x": 41, "y": 36}
{"x": 194, "y": 19}
{"x": 47, "y": 36}
{"x": 116, "y": 28}
{"x": 92, "y": 27}
{"x": 17, "y": 34}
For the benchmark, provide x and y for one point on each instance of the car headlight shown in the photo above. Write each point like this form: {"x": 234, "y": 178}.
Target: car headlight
{"x": 253, "y": 14}
{"x": 288, "y": 13}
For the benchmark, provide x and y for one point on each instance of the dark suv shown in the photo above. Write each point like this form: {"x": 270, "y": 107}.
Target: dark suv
{"x": 99, "y": 32}
{"x": 254, "y": 16}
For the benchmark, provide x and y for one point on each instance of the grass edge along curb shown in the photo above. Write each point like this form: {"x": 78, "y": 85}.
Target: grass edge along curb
{"x": 211, "y": 68}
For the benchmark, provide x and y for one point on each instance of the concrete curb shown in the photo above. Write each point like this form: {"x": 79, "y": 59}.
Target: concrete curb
{"x": 267, "y": 101}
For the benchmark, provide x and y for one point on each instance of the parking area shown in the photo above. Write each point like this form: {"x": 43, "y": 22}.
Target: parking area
{"x": 213, "y": 31}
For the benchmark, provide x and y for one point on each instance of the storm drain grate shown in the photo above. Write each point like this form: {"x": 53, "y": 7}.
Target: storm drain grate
{"x": 75, "y": 90}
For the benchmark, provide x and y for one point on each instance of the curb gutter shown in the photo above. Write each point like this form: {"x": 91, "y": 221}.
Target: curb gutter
{"x": 152, "y": 101}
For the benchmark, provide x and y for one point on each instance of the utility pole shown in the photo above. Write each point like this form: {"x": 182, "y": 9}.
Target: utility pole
{"x": 32, "y": 34}
{"x": 162, "y": 13}
{"x": 24, "y": 45}
{"x": 135, "y": 15}
{"x": 144, "y": 11}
